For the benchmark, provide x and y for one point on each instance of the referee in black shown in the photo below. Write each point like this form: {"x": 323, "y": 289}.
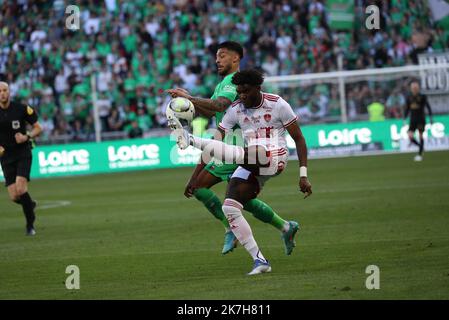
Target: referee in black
{"x": 415, "y": 105}
{"x": 15, "y": 151}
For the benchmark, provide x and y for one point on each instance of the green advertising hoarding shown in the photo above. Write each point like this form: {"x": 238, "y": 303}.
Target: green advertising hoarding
{"x": 323, "y": 140}
{"x": 106, "y": 157}
{"x": 359, "y": 137}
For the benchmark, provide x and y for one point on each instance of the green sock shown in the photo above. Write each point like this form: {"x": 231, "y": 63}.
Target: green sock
{"x": 212, "y": 203}
{"x": 264, "y": 213}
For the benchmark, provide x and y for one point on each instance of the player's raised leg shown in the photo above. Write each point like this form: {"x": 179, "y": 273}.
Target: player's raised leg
{"x": 236, "y": 154}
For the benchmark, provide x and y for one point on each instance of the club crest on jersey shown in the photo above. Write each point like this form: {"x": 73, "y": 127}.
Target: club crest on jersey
{"x": 16, "y": 124}
{"x": 246, "y": 120}
{"x": 267, "y": 117}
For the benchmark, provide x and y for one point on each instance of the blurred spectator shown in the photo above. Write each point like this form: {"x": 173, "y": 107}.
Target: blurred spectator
{"x": 189, "y": 79}
{"x": 320, "y": 103}
{"x": 137, "y": 49}
{"x": 115, "y": 121}
{"x": 334, "y": 104}
{"x": 135, "y": 131}
{"x": 303, "y": 111}
{"x": 395, "y": 104}
{"x": 270, "y": 66}
{"x": 143, "y": 119}
{"x": 199, "y": 126}
{"x": 104, "y": 106}
{"x": 104, "y": 78}
{"x": 376, "y": 111}
{"x": 47, "y": 126}
{"x": 79, "y": 133}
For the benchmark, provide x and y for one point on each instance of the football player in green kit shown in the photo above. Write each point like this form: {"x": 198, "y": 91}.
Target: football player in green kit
{"x": 228, "y": 58}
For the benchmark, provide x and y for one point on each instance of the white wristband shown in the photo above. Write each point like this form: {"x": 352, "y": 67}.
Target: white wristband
{"x": 302, "y": 172}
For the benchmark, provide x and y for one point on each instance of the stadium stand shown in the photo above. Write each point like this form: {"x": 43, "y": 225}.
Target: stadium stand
{"x": 139, "y": 48}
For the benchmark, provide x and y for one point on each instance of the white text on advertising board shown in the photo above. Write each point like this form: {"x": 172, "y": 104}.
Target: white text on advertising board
{"x": 145, "y": 155}
{"x": 63, "y": 161}
{"x": 344, "y": 137}
{"x": 435, "y": 130}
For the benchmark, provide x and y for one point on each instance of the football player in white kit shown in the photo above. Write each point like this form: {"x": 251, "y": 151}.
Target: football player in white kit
{"x": 263, "y": 118}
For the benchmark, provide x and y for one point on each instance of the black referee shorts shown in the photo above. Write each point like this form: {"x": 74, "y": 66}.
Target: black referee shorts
{"x": 417, "y": 124}
{"x": 19, "y": 167}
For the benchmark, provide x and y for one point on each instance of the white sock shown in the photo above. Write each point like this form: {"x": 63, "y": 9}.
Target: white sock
{"x": 242, "y": 231}
{"x": 256, "y": 254}
{"x": 285, "y": 227}
{"x": 224, "y": 152}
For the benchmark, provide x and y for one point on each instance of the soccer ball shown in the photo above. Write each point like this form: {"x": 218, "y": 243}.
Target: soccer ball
{"x": 180, "y": 108}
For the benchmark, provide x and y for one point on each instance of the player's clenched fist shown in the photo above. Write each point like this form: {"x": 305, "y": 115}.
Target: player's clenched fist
{"x": 2, "y": 151}
{"x": 305, "y": 186}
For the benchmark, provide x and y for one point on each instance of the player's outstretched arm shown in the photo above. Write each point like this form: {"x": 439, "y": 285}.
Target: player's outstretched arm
{"x": 301, "y": 149}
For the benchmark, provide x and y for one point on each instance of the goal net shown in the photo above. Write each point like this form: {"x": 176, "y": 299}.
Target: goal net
{"x": 361, "y": 111}
{"x": 371, "y": 94}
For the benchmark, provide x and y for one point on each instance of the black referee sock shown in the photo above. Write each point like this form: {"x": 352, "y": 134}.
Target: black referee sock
{"x": 28, "y": 208}
{"x": 18, "y": 201}
{"x": 421, "y": 147}
{"x": 413, "y": 140}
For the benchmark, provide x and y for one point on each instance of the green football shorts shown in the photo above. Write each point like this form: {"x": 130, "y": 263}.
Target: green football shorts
{"x": 222, "y": 171}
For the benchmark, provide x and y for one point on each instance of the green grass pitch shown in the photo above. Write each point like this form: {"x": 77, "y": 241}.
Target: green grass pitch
{"x": 134, "y": 236}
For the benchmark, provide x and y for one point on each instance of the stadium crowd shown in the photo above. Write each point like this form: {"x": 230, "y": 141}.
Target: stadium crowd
{"x": 137, "y": 49}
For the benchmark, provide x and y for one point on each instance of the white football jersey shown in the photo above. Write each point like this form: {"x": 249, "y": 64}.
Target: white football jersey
{"x": 264, "y": 125}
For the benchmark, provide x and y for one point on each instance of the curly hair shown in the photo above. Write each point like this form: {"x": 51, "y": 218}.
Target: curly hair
{"x": 251, "y": 77}
{"x": 232, "y": 46}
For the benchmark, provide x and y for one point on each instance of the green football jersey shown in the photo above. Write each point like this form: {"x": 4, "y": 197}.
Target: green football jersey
{"x": 227, "y": 90}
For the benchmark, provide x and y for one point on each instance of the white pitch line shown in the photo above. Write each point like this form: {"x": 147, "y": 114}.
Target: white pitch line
{"x": 53, "y": 204}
